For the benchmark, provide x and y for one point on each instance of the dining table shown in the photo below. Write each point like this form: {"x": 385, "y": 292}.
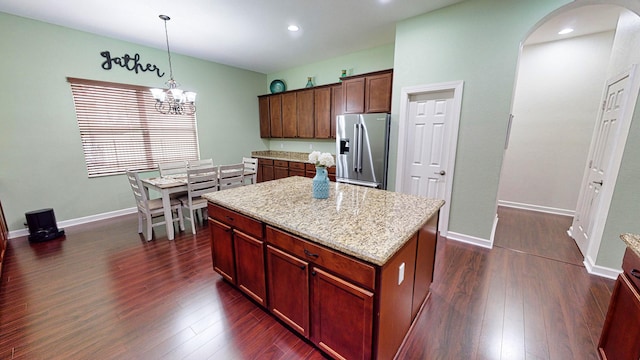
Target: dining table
{"x": 167, "y": 186}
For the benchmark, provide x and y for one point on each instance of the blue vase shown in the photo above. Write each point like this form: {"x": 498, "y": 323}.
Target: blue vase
{"x": 321, "y": 183}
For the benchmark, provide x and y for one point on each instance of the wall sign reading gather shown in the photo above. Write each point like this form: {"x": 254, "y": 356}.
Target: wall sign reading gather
{"x": 131, "y": 63}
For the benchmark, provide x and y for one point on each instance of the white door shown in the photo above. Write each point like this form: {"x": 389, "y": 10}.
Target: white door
{"x": 599, "y": 161}
{"x": 427, "y": 148}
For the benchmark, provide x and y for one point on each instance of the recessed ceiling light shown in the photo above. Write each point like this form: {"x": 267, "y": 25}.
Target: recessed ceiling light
{"x": 565, "y": 31}
{"x": 293, "y": 28}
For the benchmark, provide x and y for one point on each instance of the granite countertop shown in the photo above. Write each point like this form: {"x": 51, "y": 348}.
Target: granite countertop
{"x": 632, "y": 241}
{"x": 369, "y": 224}
{"x": 281, "y": 155}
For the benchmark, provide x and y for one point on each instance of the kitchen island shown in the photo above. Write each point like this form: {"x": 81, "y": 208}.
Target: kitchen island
{"x": 349, "y": 273}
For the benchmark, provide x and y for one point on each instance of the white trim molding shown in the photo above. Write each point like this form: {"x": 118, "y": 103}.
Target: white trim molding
{"x": 538, "y": 208}
{"x": 79, "y": 221}
{"x": 488, "y": 244}
{"x": 601, "y": 271}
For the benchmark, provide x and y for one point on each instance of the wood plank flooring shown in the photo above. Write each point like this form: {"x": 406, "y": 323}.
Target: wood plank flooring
{"x": 102, "y": 292}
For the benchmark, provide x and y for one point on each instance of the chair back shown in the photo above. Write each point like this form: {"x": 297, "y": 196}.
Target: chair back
{"x": 200, "y": 163}
{"x": 201, "y": 180}
{"x": 231, "y": 175}
{"x": 250, "y": 169}
{"x": 142, "y": 201}
{"x": 173, "y": 168}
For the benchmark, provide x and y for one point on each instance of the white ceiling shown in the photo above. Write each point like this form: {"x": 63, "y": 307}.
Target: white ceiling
{"x": 252, "y": 34}
{"x": 249, "y": 34}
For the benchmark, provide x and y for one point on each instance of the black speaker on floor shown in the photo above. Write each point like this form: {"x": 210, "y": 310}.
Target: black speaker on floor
{"x": 42, "y": 225}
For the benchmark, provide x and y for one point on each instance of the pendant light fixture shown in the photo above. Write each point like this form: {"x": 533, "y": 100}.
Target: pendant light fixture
{"x": 173, "y": 100}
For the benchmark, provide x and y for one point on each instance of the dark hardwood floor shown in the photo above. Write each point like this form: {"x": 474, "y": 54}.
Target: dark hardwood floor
{"x": 102, "y": 292}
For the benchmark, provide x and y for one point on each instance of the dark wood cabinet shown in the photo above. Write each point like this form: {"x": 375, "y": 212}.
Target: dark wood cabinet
{"x": 275, "y": 115}
{"x": 336, "y": 107}
{"x": 289, "y": 289}
{"x": 296, "y": 168}
{"x": 310, "y": 171}
{"x": 4, "y": 236}
{"x": 249, "y": 256}
{"x": 222, "y": 250}
{"x": 619, "y": 338}
{"x": 265, "y": 170}
{"x": 280, "y": 169}
{"x": 265, "y": 122}
{"x": 323, "y": 110}
{"x": 289, "y": 122}
{"x": 305, "y": 113}
{"x": 342, "y": 316}
{"x": 237, "y": 251}
{"x": 367, "y": 93}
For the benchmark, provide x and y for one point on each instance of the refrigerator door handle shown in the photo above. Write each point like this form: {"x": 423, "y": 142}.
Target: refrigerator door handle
{"x": 356, "y": 147}
{"x": 360, "y": 141}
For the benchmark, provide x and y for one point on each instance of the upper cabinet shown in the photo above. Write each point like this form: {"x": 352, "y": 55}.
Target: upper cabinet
{"x": 310, "y": 113}
{"x": 367, "y": 93}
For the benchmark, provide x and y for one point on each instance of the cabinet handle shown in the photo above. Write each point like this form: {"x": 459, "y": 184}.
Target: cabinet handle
{"x": 310, "y": 254}
{"x": 313, "y": 273}
{"x": 303, "y": 267}
{"x": 229, "y": 218}
{"x": 635, "y": 273}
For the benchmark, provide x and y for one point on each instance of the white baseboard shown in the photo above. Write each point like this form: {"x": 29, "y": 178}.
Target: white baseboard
{"x": 78, "y": 221}
{"x": 538, "y": 208}
{"x": 601, "y": 271}
{"x": 470, "y": 240}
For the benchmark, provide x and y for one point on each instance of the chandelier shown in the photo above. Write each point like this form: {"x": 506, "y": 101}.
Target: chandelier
{"x": 173, "y": 100}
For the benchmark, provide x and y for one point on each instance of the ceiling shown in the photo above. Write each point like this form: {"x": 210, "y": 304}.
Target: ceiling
{"x": 253, "y": 35}
{"x": 249, "y": 34}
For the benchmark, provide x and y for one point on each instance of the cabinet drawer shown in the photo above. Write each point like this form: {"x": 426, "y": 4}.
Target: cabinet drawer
{"x": 631, "y": 267}
{"x": 236, "y": 220}
{"x": 342, "y": 265}
{"x": 265, "y": 162}
{"x": 281, "y": 163}
{"x": 296, "y": 165}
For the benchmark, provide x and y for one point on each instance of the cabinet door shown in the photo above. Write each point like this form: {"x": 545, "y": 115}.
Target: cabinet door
{"x": 619, "y": 338}
{"x": 265, "y": 122}
{"x": 378, "y": 93}
{"x": 336, "y": 107}
{"x": 280, "y": 169}
{"x": 275, "y": 115}
{"x": 289, "y": 122}
{"x": 322, "y": 110}
{"x": 288, "y": 289}
{"x": 425, "y": 262}
{"x": 304, "y": 113}
{"x": 222, "y": 250}
{"x": 250, "y": 276}
{"x": 341, "y": 316}
{"x": 353, "y": 95}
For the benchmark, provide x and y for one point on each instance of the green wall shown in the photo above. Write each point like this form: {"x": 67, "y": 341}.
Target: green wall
{"x": 476, "y": 42}
{"x": 41, "y": 159}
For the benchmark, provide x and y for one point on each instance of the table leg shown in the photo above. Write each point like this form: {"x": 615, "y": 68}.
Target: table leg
{"x": 168, "y": 216}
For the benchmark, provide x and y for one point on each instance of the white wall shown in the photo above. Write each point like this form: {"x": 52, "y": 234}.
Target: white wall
{"x": 556, "y": 101}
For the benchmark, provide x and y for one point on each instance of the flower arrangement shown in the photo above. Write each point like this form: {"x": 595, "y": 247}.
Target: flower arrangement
{"x": 321, "y": 159}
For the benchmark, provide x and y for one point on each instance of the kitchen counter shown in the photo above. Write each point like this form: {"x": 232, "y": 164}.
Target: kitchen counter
{"x": 281, "y": 155}
{"x": 632, "y": 241}
{"x": 369, "y": 224}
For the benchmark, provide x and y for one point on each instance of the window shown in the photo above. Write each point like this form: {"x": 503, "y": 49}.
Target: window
{"x": 120, "y": 128}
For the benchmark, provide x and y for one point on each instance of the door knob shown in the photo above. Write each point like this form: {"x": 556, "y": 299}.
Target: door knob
{"x": 441, "y": 172}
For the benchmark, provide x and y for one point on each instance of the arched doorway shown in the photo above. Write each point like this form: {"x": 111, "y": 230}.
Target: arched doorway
{"x": 555, "y": 105}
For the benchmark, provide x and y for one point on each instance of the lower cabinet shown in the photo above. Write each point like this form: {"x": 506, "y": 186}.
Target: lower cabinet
{"x": 288, "y": 279}
{"x": 237, "y": 251}
{"x": 265, "y": 170}
{"x": 280, "y": 169}
{"x": 342, "y": 316}
{"x": 619, "y": 339}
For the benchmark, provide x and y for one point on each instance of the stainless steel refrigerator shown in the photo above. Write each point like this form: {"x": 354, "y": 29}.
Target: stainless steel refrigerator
{"x": 362, "y": 148}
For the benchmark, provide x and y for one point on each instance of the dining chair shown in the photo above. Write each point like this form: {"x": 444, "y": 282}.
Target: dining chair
{"x": 199, "y": 163}
{"x": 200, "y": 180}
{"x": 149, "y": 209}
{"x": 173, "y": 168}
{"x": 231, "y": 175}
{"x": 250, "y": 170}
